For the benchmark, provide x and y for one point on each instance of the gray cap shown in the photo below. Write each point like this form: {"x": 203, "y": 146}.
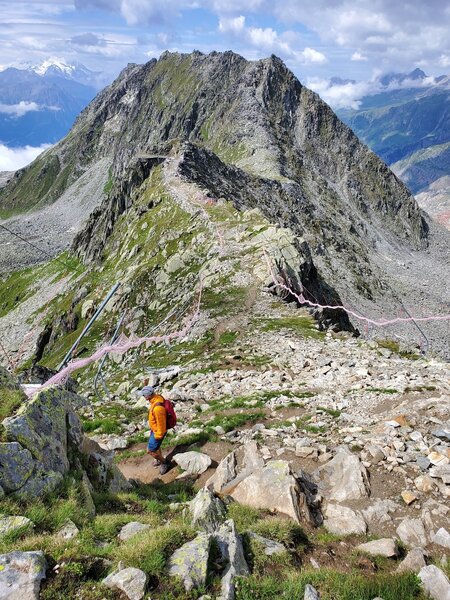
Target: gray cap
{"x": 148, "y": 390}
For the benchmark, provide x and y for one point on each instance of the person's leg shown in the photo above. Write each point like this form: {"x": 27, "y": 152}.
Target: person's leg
{"x": 154, "y": 449}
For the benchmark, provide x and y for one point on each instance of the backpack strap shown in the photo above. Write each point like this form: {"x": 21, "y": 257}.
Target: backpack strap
{"x": 158, "y": 404}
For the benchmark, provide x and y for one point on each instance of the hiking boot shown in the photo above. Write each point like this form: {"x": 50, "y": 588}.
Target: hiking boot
{"x": 163, "y": 468}
{"x": 156, "y": 462}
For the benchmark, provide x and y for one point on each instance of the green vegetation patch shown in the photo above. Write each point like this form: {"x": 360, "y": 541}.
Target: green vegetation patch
{"x": 302, "y": 325}
{"x": 332, "y": 585}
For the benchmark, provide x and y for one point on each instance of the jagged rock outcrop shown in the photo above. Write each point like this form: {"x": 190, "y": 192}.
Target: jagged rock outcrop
{"x": 45, "y": 440}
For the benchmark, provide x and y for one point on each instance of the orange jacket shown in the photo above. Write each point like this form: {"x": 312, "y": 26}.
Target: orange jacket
{"x": 157, "y": 417}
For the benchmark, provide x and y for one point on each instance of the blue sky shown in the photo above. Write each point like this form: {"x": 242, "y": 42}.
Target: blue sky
{"x": 317, "y": 38}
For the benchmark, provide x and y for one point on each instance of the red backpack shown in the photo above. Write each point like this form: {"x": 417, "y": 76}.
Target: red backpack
{"x": 171, "y": 417}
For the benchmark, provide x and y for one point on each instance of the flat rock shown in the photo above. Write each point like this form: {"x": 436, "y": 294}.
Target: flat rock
{"x": 14, "y": 523}
{"x": 190, "y": 562}
{"x": 21, "y": 574}
{"x": 342, "y": 520}
{"x": 408, "y": 497}
{"x": 442, "y": 537}
{"x": 132, "y": 582}
{"x": 207, "y": 511}
{"x": 441, "y": 472}
{"x": 412, "y": 532}
{"x": 192, "y": 463}
{"x": 343, "y": 478}
{"x": 270, "y": 546}
{"x": 131, "y": 529}
{"x": 383, "y": 547}
{"x": 414, "y": 561}
{"x": 111, "y": 442}
{"x": 435, "y": 583}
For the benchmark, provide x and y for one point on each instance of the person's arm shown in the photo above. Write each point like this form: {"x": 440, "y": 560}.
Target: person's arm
{"x": 159, "y": 412}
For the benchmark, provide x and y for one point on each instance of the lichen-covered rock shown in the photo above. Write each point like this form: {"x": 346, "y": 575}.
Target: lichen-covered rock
{"x": 131, "y": 581}
{"x": 10, "y": 524}
{"x": 16, "y": 466}
{"x": 41, "y": 430}
{"x": 190, "y": 562}
{"x": 207, "y": 511}
{"x": 225, "y": 472}
{"x": 270, "y": 547}
{"x": 21, "y": 574}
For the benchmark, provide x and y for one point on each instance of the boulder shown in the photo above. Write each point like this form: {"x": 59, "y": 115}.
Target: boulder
{"x": 343, "y": 478}
{"x": 16, "y": 466}
{"x": 435, "y": 583}
{"x": 192, "y": 463}
{"x": 414, "y": 561}
{"x": 44, "y": 427}
{"x": 190, "y": 562}
{"x": 207, "y": 511}
{"x": 442, "y": 537}
{"x": 14, "y": 524}
{"x": 384, "y": 547}
{"x": 131, "y": 529}
{"x": 111, "y": 442}
{"x": 441, "y": 472}
{"x": 342, "y": 520}
{"x": 132, "y": 582}
{"x": 412, "y": 532}
{"x": 21, "y": 574}
{"x": 68, "y": 531}
{"x": 229, "y": 544}
{"x": 274, "y": 487}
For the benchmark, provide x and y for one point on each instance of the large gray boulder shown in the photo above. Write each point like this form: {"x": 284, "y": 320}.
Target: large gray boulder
{"x": 207, "y": 511}
{"x": 435, "y": 583}
{"x": 442, "y": 537}
{"x": 131, "y": 581}
{"x": 229, "y": 543}
{"x": 274, "y": 487}
{"x": 343, "y": 478}
{"x": 21, "y": 574}
{"x": 35, "y": 460}
{"x": 190, "y": 562}
{"x": 226, "y": 471}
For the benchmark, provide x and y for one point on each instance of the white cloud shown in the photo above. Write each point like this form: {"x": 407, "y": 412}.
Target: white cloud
{"x": 444, "y": 60}
{"x": 358, "y": 57}
{"x": 232, "y": 25}
{"x": 12, "y": 159}
{"x": 20, "y": 109}
{"x": 311, "y": 56}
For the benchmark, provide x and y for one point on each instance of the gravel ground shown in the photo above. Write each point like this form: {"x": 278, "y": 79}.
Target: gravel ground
{"x": 53, "y": 227}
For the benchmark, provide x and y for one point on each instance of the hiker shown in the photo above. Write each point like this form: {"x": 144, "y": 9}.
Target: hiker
{"x": 157, "y": 419}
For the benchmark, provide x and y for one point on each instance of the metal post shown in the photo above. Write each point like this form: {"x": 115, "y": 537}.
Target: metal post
{"x": 102, "y": 362}
{"x": 89, "y": 325}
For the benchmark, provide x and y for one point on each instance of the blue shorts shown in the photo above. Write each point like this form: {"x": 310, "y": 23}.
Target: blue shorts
{"x": 153, "y": 443}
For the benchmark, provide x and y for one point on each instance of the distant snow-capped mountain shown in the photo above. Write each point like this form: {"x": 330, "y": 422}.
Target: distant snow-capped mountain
{"x": 58, "y": 67}
{"x": 39, "y": 103}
